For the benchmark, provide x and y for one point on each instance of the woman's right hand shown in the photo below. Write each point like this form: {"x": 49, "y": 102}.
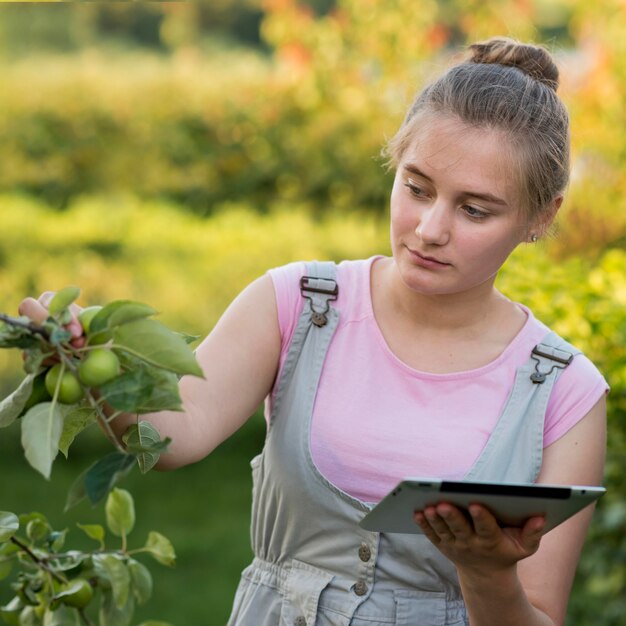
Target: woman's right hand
{"x": 37, "y": 311}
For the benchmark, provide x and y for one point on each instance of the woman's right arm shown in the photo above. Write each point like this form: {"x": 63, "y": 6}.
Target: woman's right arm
{"x": 239, "y": 359}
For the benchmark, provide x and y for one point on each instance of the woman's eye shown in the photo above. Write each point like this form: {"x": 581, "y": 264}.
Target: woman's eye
{"x": 415, "y": 189}
{"x": 474, "y": 212}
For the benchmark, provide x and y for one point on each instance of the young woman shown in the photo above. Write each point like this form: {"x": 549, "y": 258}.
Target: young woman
{"x": 412, "y": 364}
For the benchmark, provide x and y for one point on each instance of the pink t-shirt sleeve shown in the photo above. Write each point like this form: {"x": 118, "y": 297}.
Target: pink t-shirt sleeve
{"x": 289, "y": 302}
{"x": 575, "y": 393}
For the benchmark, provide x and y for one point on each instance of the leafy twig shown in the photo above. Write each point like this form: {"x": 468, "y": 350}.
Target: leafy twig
{"x": 30, "y": 326}
{"x": 39, "y": 562}
{"x": 95, "y": 405}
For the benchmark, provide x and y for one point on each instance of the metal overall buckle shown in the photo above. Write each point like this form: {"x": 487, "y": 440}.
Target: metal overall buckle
{"x": 561, "y": 358}
{"x": 319, "y": 318}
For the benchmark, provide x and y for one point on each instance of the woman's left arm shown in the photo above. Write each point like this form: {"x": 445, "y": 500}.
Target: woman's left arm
{"x": 577, "y": 458}
{"x": 516, "y": 577}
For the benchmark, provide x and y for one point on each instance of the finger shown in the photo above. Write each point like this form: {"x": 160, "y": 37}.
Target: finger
{"x": 438, "y": 524}
{"x": 531, "y": 534}
{"x": 75, "y": 328}
{"x": 455, "y": 521}
{"x": 426, "y": 528}
{"x": 485, "y": 524}
{"x": 45, "y": 297}
{"x": 34, "y": 309}
{"x": 79, "y": 342}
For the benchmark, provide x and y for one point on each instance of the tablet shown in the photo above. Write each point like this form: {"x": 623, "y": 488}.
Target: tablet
{"x": 511, "y": 503}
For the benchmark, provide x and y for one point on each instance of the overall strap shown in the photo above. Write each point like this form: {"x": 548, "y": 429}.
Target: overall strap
{"x": 319, "y": 288}
{"x": 553, "y": 353}
{"x": 514, "y": 452}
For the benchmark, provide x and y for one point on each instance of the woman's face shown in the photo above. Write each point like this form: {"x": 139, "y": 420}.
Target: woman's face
{"x": 454, "y": 211}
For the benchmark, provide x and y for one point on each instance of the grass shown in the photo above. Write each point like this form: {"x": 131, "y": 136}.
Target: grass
{"x": 204, "y": 509}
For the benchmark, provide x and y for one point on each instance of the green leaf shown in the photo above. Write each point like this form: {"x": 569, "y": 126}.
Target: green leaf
{"x": 143, "y": 439}
{"x": 41, "y": 432}
{"x": 12, "y": 336}
{"x": 9, "y": 525}
{"x": 5, "y": 567}
{"x": 141, "y": 579}
{"x": 114, "y": 570}
{"x": 157, "y": 345}
{"x": 74, "y": 423}
{"x": 188, "y": 338}
{"x": 120, "y": 512}
{"x": 76, "y": 492}
{"x": 61, "y": 616}
{"x": 27, "y": 517}
{"x": 68, "y": 561}
{"x": 8, "y": 552}
{"x": 39, "y": 393}
{"x": 111, "y": 615}
{"x": 117, "y": 313}
{"x": 164, "y": 394}
{"x": 153, "y": 623}
{"x": 62, "y": 299}
{"x": 60, "y": 335}
{"x": 128, "y": 390}
{"x": 103, "y": 475}
{"x": 33, "y": 359}
{"x": 28, "y": 617}
{"x": 160, "y": 548}
{"x": 94, "y": 531}
{"x": 37, "y": 529}
{"x": 56, "y": 540}
{"x": 13, "y": 405}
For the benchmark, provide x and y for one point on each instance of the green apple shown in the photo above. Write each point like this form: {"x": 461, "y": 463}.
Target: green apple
{"x": 77, "y": 593}
{"x": 70, "y": 390}
{"x": 99, "y": 366}
{"x": 86, "y": 315}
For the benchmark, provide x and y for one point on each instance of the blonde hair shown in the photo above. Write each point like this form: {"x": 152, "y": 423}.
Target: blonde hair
{"x": 510, "y": 87}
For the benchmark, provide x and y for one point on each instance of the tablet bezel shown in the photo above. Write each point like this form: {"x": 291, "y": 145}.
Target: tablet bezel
{"x": 511, "y": 503}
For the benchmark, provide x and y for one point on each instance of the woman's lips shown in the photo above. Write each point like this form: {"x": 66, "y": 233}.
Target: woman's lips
{"x": 426, "y": 261}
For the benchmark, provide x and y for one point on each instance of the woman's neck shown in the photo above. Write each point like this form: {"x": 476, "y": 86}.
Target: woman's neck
{"x": 467, "y": 314}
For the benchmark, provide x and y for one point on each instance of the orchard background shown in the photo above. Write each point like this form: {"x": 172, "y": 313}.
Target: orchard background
{"x": 172, "y": 152}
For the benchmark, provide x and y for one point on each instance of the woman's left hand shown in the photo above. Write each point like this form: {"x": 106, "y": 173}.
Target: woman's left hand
{"x": 477, "y": 542}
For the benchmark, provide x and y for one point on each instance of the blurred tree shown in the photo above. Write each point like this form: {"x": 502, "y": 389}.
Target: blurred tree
{"x": 65, "y": 27}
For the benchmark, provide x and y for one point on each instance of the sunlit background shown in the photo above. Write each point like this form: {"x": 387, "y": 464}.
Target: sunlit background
{"x": 172, "y": 152}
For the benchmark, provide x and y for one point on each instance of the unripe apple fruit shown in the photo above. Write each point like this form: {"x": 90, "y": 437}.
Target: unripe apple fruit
{"x": 78, "y": 593}
{"x": 70, "y": 390}
{"x": 99, "y": 366}
{"x": 86, "y": 315}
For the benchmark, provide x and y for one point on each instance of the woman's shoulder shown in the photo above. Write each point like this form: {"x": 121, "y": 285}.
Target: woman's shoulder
{"x": 352, "y": 278}
{"x": 353, "y": 298}
{"x": 578, "y": 388}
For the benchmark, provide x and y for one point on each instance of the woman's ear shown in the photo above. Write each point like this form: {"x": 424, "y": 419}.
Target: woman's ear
{"x": 544, "y": 222}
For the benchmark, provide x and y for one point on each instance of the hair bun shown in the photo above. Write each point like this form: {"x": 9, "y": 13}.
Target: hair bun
{"x": 533, "y": 60}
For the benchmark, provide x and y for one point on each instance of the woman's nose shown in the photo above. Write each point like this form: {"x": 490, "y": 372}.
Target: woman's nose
{"x": 434, "y": 224}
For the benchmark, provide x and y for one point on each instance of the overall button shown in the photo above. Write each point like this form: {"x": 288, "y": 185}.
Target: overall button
{"x": 360, "y": 588}
{"x": 365, "y": 554}
{"x": 300, "y": 621}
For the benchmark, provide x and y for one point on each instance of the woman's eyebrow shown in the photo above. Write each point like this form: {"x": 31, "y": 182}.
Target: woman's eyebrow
{"x": 487, "y": 197}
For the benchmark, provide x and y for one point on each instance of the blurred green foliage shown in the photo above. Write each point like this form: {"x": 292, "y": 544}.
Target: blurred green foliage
{"x": 203, "y": 126}
{"x": 171, "y": 167}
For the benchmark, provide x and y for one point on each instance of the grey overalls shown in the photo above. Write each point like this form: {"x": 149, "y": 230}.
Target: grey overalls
{"x": 313, "y": 565}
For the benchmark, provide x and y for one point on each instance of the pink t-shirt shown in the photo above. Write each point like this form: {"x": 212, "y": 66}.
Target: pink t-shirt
{"x": 377, "y": 420}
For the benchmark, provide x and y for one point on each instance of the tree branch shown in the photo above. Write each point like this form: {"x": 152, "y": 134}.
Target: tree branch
{"x": 39, "y": 562}
{"x": 30, "y": 326}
